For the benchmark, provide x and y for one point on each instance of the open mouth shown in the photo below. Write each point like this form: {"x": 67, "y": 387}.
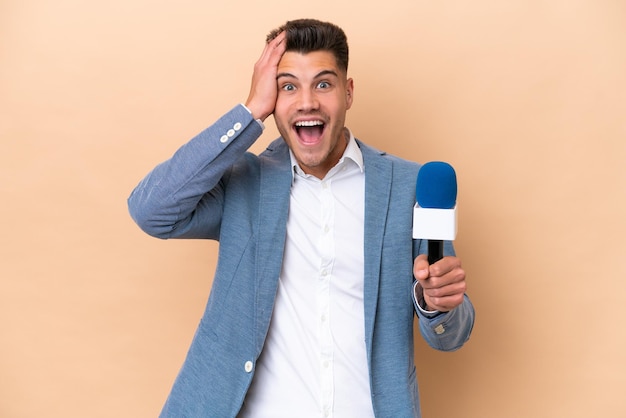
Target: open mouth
{"x": 309, "y": 131}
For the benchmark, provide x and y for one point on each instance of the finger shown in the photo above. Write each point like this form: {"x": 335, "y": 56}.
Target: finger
{"x": 456, "y": 276}
{"x": 279, "y": 39}
{"x": 440, "y": 284}
{"x": 447, "y": 290}
{"x": 444, "y": 266}
{"x": 421, "y": 268}
{"x": 445, "y": 302}
{"x": 278, "y": 48}
{"x": 274, "y": 48}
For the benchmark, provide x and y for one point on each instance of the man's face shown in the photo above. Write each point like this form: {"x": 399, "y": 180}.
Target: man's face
{"x": 313, "y": 97}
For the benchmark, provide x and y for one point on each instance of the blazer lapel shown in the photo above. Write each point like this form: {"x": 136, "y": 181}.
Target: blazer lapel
{"x": 378, "y": 174}
{"x": 275, "y": 186}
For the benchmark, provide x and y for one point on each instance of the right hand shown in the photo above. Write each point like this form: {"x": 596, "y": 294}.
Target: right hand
{"x": 264, "y": 91}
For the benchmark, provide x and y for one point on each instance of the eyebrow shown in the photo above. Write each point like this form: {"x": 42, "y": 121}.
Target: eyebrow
{"x": 318, "y": 75}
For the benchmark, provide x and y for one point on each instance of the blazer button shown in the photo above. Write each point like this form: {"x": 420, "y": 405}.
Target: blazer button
{"x": 223, "y": 139}
{"x": 248, "y": 366}
{"x": 237, "y": 126}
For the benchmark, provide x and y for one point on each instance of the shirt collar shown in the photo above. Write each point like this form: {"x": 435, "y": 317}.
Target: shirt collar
{"x": 351, "y": 153}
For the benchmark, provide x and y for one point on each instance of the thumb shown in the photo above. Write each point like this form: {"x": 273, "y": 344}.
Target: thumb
{"x": 420, "y": 267}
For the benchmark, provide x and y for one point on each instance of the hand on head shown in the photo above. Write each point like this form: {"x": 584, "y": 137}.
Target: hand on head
{"x": 263, "y": 91}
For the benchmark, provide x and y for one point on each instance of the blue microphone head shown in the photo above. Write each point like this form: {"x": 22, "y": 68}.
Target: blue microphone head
{"x": 436, "y": 186}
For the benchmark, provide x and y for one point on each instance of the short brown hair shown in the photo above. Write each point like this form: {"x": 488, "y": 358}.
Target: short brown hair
{"x": 308, "y": 35}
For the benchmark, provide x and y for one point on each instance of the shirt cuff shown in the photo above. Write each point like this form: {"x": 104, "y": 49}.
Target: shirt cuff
{"x": 418, "y": 296}
{"x": 259, "y": 121}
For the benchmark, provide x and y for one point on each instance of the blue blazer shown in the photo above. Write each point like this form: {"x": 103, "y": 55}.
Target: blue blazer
{"x": 213, "y": 188}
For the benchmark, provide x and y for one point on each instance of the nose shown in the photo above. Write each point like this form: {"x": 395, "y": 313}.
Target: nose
{"x": 307, "y": 101}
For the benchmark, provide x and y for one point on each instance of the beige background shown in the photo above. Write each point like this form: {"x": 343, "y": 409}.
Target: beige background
{"x": 525, "y": 98}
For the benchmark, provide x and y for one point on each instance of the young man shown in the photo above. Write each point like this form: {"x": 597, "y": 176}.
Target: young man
{"x": 318, "y": 278}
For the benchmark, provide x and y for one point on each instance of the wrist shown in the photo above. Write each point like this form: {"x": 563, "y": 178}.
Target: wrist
{"x": 420, "y": 301}
{"x": 258, "y": 120}
{"x": 256, "y": 111}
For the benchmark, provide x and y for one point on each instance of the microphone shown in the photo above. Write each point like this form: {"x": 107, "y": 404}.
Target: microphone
{"x": 434, "y": 213}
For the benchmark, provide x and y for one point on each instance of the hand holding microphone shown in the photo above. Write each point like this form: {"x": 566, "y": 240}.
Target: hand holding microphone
{"x": 442, "y": 279}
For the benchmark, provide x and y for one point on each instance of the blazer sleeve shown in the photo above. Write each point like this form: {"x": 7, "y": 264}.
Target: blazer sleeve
{"x": 183, "y": 196}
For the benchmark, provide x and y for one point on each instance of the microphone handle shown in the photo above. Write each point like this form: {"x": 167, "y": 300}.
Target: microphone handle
{"x": 435, "y": 250}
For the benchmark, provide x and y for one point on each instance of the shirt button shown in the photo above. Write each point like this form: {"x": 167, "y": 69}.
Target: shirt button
{"x": 237, "y": 126}
{"x": 223, "y": 139}
{"x": 248, "y": 366}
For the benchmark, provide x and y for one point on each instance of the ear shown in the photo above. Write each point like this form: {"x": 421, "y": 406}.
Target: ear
{"x": 349, "y": 93}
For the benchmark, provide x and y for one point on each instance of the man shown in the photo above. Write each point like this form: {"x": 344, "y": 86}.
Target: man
{"x": 314, "y": 296}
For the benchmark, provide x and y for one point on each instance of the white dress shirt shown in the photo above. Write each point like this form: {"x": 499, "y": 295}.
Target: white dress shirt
{"x": 314, "y": 363}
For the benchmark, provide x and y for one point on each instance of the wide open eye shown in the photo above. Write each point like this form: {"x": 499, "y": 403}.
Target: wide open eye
{"x": 323, "y": 85}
